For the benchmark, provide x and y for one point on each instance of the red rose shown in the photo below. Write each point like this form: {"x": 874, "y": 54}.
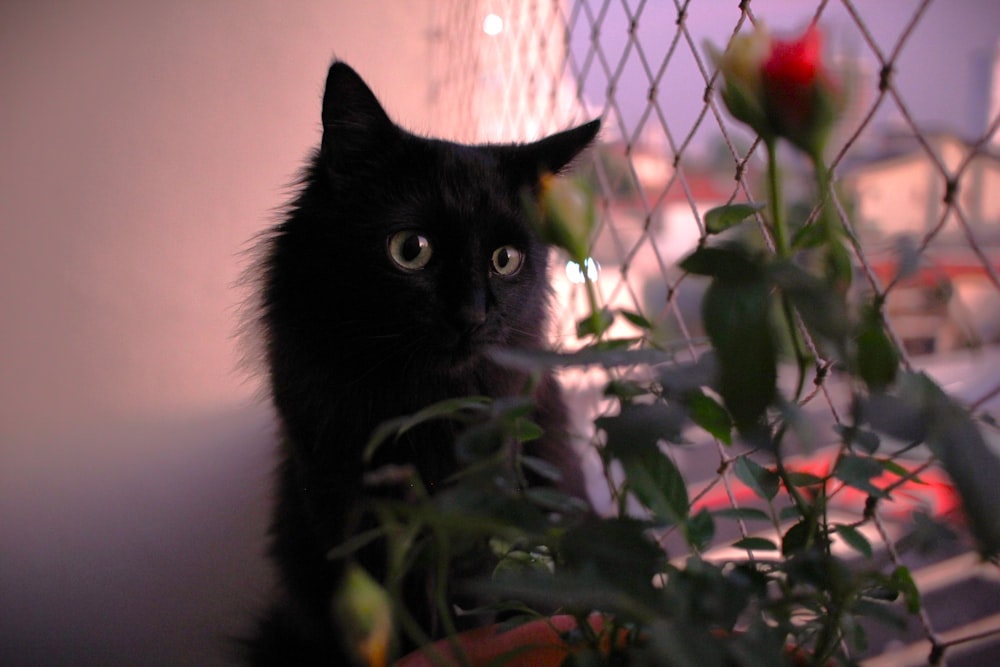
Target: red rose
{"x": 792, "y": 66}
{"x": 800, "y": 98}
{"x": 780, "y": 88}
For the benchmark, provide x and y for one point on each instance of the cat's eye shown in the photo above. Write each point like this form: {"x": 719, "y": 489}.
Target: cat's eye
{"x": 409, "y": 250}
{"x": 507, "y": 260}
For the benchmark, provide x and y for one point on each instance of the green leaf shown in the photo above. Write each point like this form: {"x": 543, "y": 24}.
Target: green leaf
{"x": 513, "y": 407}
{"x": 804, "y": 479}
{"x": 658, "y": 484}
{"x": 721, "y": 218}
{"x": 857, "y": 471}
{"x": 580, "y": 587}
{"x": 525, "y": 430}
{"x": 729, "y": 262}
{"x": 640, "y": 426}
{"x": 809, "y": 236}
{"x": 796, "y": 538}
{"x": 595, "y": 324}
{"x": 790, "y": 512}
{"x": 892, "y": 415}
{"x": 743, "y": 513}
{"x": 618, "y": 551}
{"x": 823, "y": 309}
{"x": 541, "y": 467}
{"x": 854, "y": 539}
{"x": 479, "y": 442}
{"x": 838, "y": 268}
{"x": 518, "y": 563}
{"x": 756, "y": 544}
{"x": 736, "y": 315}
{"x": 552, "y": 500}
{"x": 564, "y": 215}
{"x": 637, "y": 319}
{"x": 706, "y": 412}
{"x": 632, "y": 439}
{"x": 699, "y": 529}
{"x": 615, "y": 343}
{"x": 745, "y": 104}
{"x": 852, "y": 435}
{"x": 955, "y": 439}
{"x": 856, "y": 635}
{"x": 760, "y": 480}
{"x": 536, "y": 360}
{"x": 928, "y": 535}
{"x": 355, "y": 543}
{"x": 677, "y": 380}
{"x": 891, "y": 466}
{"x": 877, "y": 358}
{"x": 904, "y": 582}
{"x": 625, "y": 389}
{"x": 879, "y": 611}
{"x": 446, "y": 409}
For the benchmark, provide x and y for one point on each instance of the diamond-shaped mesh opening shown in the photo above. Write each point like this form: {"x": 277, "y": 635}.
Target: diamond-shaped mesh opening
{"x": 916, "y": 176}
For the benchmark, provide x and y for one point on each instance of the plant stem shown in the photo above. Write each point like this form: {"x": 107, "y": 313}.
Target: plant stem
{"x": 778, "y": 225}
{"x": 838, "y": 263}
{"x": 779, "y": 229}
{"x": 596, "y": 323}
{"x": 800, "y": 503}
{"x": 823, "y": 194}
{"x": 800, "y": 359}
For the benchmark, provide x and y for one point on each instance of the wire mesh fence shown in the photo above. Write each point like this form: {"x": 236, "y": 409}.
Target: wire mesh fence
{"x": 919, "y": 206}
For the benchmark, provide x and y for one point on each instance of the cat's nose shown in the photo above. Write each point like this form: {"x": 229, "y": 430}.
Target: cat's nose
{"x": 472, "y": 314}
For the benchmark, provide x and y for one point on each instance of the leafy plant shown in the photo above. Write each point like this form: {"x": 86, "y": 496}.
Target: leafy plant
{"x": 789, "y": 598}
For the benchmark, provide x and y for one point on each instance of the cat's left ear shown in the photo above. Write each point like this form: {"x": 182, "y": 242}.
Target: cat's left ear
{"x": 551, "y": 154}
{"x": 354, "y": 121}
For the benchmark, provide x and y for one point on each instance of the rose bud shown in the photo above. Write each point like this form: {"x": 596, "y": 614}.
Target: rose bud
{"x": 566, "y": 216}
{"x": 801, "y": 99}
{"x": 740, "y": 66}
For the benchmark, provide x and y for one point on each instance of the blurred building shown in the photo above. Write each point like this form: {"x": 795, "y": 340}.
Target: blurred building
{"x": 902, "y": 187}
{"x": 943, "y": 194}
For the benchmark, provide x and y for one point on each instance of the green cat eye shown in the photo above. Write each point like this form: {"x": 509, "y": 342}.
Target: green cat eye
{"x": 409, "y": 250}
{"x": 507, "y": 260}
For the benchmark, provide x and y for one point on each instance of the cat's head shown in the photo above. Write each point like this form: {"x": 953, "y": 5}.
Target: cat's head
{"x": 402, "y": 251}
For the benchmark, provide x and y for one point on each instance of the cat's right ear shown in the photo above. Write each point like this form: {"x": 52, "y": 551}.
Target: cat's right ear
{"x": 549, "y": 155}
{"x": 352, "y": 115}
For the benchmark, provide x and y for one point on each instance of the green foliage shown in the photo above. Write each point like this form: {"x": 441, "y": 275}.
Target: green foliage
{"x": 790, "y": 586}
{"x": 721, "y": 218}
{"x": 707, "y": 413}
{"x": 765, "y": 483}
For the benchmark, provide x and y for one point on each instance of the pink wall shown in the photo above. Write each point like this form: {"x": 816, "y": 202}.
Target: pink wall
{"x": 141, "y": 145}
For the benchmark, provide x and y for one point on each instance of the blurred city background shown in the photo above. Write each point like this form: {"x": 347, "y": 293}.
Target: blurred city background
{"x": 145, "y": 144}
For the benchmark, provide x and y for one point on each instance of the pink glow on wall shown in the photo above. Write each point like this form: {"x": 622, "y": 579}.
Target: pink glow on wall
{"x": 142, "y": 145}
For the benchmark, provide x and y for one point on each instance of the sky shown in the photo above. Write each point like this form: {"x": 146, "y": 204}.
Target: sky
{"x": 941, "y": 70}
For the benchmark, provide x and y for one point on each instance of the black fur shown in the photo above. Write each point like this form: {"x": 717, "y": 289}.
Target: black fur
{"x": 352, "y": 339}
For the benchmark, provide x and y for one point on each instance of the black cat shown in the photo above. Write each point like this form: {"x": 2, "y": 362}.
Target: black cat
{"x": 401, "y": 262}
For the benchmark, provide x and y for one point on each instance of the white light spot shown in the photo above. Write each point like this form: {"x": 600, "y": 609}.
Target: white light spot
{"x": 492, "y": 25}
{"x": 575, "y": 274}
